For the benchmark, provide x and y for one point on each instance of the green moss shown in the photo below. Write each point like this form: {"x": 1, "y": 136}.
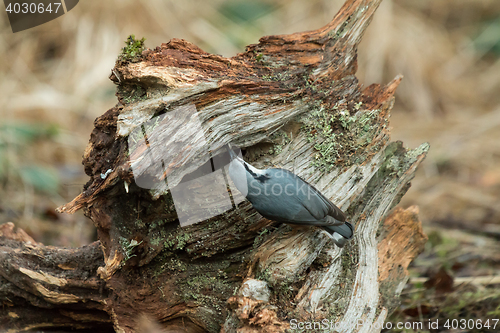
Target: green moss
{"x": 132, "y": 52}
{"x": 128, "y": 247}
{"x": 139, "y": 224}
{"x": 397, "y": 160}
{"x": 412, "y": 155}
{"x": 338, "y": 134}
{"x": 319, "y": 128}
{"x": 177, "y": 240}
{"x": 137, "y": 94}
{"x": 169, "y": 244}
{"x": 155, "y": 241}
{"x": 166, "y": 262}
{"x": 280, "y": 140}
{"x": 207, "y": 285}
{"x": 264, "y": 275}
{"x": 278, "y": 77}
{"x": 130, "y": 93}
{"x": 260, "y": 238}
{"x": 284, "y": 290}
{"x": 182, "y": 239}
{"x": 177, "y": 265}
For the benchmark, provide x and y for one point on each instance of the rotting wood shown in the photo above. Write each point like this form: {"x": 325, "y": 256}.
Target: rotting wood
{"x": 291, "y": 100}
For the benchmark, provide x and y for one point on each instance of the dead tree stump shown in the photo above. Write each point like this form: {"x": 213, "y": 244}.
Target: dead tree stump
{"x": 291, "y": 100}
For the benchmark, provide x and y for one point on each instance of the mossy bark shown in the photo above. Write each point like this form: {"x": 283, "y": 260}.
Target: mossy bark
{"x": 291, "y": 100}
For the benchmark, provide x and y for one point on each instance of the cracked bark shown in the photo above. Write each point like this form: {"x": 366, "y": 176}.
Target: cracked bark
{"x": 291, "y": 100}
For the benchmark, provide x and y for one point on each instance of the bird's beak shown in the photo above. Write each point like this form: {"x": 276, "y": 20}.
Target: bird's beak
{"x": 232, "y": 155}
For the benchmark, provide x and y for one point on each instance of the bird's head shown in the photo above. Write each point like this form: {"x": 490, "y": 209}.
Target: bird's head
{"x": 233, "y": 155}
{"x": 242, "y": 173}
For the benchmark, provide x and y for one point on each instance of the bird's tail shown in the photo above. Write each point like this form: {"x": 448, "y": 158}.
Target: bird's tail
{"x": 340, "y": 233}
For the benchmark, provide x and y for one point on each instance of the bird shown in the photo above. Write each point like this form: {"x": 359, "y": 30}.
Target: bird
{"x": 282, "y": 196}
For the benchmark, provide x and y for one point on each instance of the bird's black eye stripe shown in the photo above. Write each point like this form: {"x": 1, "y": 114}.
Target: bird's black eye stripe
{"x": 261, "y": 178}
{"x": 250, "y": 171}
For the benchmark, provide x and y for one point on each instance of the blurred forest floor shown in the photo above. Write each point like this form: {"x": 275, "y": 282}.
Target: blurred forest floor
{"x": 54, "y": 83}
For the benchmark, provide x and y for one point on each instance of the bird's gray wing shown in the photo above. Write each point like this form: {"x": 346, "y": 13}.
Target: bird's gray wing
{"x": 317, "y": 204}
{"x": 333, "y": 210}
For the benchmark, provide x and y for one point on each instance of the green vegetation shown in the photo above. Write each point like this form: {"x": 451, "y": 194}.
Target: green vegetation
{"x": 207, "y": 284}
{"x": 177, "y": 240}
{"x": 278, "y": 77}
{"x": 260, "y": 238}
{"x": 280, "y": 139}
{"x": 128, "y": 247}
{"x": 137, "y": 94}
{"x": 128, "y": 93}
{"x": 132, "y": 52}
{"x": 339, "y": 135}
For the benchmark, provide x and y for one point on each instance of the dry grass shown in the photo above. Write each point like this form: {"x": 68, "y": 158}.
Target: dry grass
{"x": 56, "y": 74}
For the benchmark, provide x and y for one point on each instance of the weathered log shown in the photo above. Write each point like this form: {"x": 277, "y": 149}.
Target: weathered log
{"x": 50, "y": 287}
{"x": 291, "y": 100}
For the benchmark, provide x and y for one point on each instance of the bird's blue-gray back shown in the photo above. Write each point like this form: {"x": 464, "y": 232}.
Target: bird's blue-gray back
{"x": 304, "y": 203}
